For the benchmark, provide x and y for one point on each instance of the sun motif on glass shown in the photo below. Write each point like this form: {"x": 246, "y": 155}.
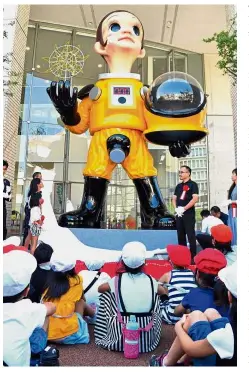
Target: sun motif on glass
{"x": 66, "y": 61}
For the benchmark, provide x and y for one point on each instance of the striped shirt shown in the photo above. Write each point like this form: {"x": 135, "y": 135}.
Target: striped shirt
{"x": 181, "y": 282}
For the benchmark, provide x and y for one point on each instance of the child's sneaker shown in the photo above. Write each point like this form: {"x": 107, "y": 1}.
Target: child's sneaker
{"x": 49, "y": 357}
{"x": 157, "y": 361}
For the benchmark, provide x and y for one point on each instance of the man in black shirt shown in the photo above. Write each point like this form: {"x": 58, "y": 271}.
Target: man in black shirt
{"x": 6, "y": 197}
{"x": 215, "y": 211}
{"x": 184, "y": 200}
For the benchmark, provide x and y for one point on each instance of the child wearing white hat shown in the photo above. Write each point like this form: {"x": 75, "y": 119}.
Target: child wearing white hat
{"x": 131, "y": 292}
{"x": 24, "y": 323}
{"x": 93, "y": 277}
{"x": 135, "y": 282}
{"x": 65, "y": 291}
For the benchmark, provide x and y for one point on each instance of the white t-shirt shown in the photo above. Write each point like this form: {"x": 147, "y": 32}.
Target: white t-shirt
{"x": 232, "y": 256}
{"x": 35, "y": 214}
{"x": 222, "y": 341}
{"x": 19, "y": 321}
{"x": 209, "y": 222}
{"x": 136, "y": 292}
{"x": 92, "y": 296}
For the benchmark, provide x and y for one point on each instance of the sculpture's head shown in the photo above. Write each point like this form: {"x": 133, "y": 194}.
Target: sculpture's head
{"x": 120, "y": 32}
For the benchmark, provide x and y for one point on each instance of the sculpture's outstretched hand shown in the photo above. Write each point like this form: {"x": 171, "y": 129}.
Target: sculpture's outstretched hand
{"x": 65, "y": 101}
{"x": 179, "y": 149}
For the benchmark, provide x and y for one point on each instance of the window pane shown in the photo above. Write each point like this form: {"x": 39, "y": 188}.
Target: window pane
{"x": 78, "y": 147}
{"x": 25, "y": 104}
{"x": 75, "y": 192}
{"x": 93, "y": 64}
{"x": 75, "y": 171}
{"x": 120, "y": 202}
{"x": 56, "y": 167}
{"x": 47, "y": 42}
{"x": 43, "y": 146}
{"x": 42, "y": 109}
{"x": 179, "y": 63}
{"x": 195, "y": 67}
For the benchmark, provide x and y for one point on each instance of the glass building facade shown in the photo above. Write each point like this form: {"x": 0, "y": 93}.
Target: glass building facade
{"x": 44, "y": 144}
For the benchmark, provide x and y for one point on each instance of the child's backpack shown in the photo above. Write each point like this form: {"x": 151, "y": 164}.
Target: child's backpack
{"x": 116, "y": 331}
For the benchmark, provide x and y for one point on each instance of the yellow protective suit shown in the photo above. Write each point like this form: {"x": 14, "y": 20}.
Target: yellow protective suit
{"x": 104, "y": 118}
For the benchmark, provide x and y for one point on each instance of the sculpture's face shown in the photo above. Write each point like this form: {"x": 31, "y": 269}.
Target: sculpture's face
{"x": 122, "y": 31}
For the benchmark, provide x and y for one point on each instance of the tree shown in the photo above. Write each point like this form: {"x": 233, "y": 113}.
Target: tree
{"x": 226, "y": 42}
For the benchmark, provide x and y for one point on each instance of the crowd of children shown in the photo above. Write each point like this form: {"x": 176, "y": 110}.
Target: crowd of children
{"x": 46, "y": 301}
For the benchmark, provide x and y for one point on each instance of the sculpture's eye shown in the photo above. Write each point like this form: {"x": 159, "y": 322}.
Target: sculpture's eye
{"x": 115, "y": 27}
{"x": 136, "y": 30}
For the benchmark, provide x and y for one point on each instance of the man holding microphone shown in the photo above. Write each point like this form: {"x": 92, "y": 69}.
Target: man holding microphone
{"x": 184, "y": 200}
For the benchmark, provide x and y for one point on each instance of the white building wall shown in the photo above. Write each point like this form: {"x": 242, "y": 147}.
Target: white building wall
{"x": 221, "y": 137}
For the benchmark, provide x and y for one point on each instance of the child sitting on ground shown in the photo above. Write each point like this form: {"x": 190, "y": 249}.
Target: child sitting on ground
{"x": 65, "y": 291}
{"x": 208, "y": 263}
{"x": 179, "y": 281}
{"x": 130, "y": 292}
{"x": 24, "y": 323}
{"x": 222, "y": 236}
{"x": 211, "y": 340}
{"x": 92, "y": 279}
{"x": 39, "y": 278}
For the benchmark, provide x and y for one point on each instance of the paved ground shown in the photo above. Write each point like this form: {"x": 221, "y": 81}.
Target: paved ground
{"x": 91, "y": 355}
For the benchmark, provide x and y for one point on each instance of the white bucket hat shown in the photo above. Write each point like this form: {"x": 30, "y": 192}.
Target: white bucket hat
{"x": 18, "y": 267}
{"x": 94, "y": 264}
{"x": 62, "y": 262}
{"x": 228, "y": 275}
{"x": 134, "y": 254}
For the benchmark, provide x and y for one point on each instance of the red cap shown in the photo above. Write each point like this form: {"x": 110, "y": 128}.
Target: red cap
{"x": 179, "y": 255}
{"x": 222, "y": 233}
{"x": 8, "y": 248}
{"x": 210, "y": 261}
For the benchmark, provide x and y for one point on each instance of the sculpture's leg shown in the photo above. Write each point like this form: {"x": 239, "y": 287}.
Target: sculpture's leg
{"x": 89, "y": 213}
{"x": 153, "y": 208}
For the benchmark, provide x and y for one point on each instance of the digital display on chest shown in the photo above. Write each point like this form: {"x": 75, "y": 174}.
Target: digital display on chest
{"x": 121, "y": 95}
{"x": 121, "y": 91}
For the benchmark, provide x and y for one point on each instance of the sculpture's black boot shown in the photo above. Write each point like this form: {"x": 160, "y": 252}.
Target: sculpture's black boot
{"x": 154, "y": 214}
{"x": 89, "y": 213}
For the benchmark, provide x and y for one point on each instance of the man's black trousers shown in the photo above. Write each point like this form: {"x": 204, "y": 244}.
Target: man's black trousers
{"x": 205, "y": 240}
{"x": 185, "y": 226}
{"x": 4, "y": 221}
{"x": 26, "y": 223}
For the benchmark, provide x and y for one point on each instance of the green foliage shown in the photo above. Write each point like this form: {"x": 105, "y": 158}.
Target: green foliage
{"x": 11, "y": 78}
{"x": 226, "y": 42}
